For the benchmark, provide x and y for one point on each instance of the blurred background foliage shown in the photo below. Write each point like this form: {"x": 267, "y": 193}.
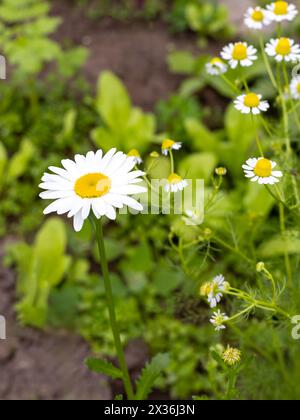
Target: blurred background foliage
{"x": 48, "y": 112}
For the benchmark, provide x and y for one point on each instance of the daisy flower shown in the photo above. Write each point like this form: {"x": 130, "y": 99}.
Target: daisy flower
{"x": 239, "y": 53}
{"x": 295, "y": 88}
{"x": 214, "y": 290}
{"x": 262, "y": 171}
{"x": 256, "y": 18}
{"x": 216, "y": 67}
{"x": 169, "y": 145}
{"x": 136, "y": 155}
{"x": 95, "y": 182}
{"x": 218, "y": 319}
{"x": 283, "y": 49}
{"x": 175, "y": 183}
{"x": 251, "y": 103}
{"x": 231, "y": 356}
{"x": 281, "y": 10}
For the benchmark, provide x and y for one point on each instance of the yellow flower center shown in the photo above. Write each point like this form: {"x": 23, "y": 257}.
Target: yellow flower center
{"x": 263, "y": 168}
{"x": 174, "y": 179}
{"x": 168, "y": 144}
{"x": 92, "y": 185}
{"x": 134, "y": 153}
{"x": 298, "y": 87}
{"x": 205, "y": 289}
{"x": 239, "y": 52}
{"x": 216, "y": 60}
{"x": 251, "y": 100}
{"x": 283, "y": 46}
{"x": 258, "y": 15}
{"x": 281, "y": 8}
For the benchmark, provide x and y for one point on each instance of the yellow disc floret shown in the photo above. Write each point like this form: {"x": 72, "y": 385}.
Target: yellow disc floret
{"x": 251, "y": 100}
{"x": 168, "y": 144}
{"x": 93, "y": 185}
{"x": 263, "y": 168}
{"x": 216, "y": 60}
{"x": 258, "y": 15}
{"x": 231, "y": 356}
{"x": 174, "y": 179}
{"x": 134, "y": 153}
{"x": 239, "y": 52}
{"x": 281, "y": 8}
{"x": 283, "y": 46}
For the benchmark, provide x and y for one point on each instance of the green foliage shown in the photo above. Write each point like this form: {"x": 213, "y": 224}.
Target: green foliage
{"x": 150, "y": 374}
{"x": 40, "y": 267}
{"x": 104, "y": 367}
{"x": 126, "y": 127}
{"x": 25, "y": 28}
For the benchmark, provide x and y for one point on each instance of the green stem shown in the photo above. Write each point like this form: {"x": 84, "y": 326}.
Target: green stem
{"x": 172, "y": 162}
{"x": 267, "y": 64}
{"x": 98, "y": 229}
{"x": 259, "y": 146}
{"x": 229, "y": 83}
{"x": 283, "y": 233}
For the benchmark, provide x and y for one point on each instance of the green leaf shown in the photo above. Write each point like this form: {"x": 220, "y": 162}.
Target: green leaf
{"x": 113, "y": 102}
{"x": 198, "y": 166}
{"x": 203, "y": 139}
{"x": 103, "y": 367}
{"x": 20, "y": 160}
{"x": 3, "y": 162}
{"x": 150, "y": 374}
{"x": 278, "y": 246}
{"x": 182, "y": 62}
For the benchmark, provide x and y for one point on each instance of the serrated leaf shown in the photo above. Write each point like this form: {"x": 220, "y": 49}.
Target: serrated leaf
{"x": 104, "y": 367}
{"x": 150, "y": 374}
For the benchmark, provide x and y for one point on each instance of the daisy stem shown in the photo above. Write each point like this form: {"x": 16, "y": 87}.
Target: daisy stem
{"x": 229, "y": 83}
{"x": 257, "y": 136}
{"x": 235, "y": 250}
{"x": 172, "y": 162}
{"x": 285, "y": 114}
{"x": 283, "y": 233}
{"x": 267, "y": 63}
{"x": 98, "y": 229}
{"x": 240, "y": 314}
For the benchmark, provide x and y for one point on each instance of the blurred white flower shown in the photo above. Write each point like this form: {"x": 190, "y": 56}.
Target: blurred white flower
{"x": 218, "y": 319}
{"x": 251, "y": 103}
{"x": 175, "y": 183}
{"x": 169, "y": 145}
{"x": 239, "y": 54}
{"x": 283, "y": 49}
{"x": 262, "y": 171}
{"x": 257, "y": 18}
{"x": 295, "y": 88}
{"x": 280, "y": 11}
{"x": 216, "y": 67}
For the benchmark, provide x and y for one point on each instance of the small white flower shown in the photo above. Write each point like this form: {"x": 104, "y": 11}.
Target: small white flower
{"x": 280, "y": 11}
{"x": 239, "y": 54}
{"x": 169, "y": 145}
{"x": 95, "y": 182}
{"x": 283, "y": 49}
{"x": 295, "y": 88}
{"x": 218, "y": 286}
{"x": 218, "y": 319}
{"x": 175, "y": 183}
{"x": 251, "y": 103}
{"x": 257, "y": 18}
{"x": 262, "y": 171}
{"x": 216, "y": 67}
{"x": 136, "y": 155}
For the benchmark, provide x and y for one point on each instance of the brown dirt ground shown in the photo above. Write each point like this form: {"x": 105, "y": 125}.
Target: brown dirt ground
{"x": 49, "y": 366}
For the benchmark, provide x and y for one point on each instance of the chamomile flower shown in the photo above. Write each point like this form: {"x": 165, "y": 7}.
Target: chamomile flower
{"x": 175, "y": 183}
{"x": 218, "y": 319}
{"x": 262, "y": 171}
{"x": 251, "y": 103}
{"x": 136, "y": 155}
{"x": 283, "y": 49}
{"x": 295, "y": 88}
{"x": 257, "y": 18}
{"x": 216, "y": 67}
{"x": 280, "y": 11}
{"x": 214, "y": 290}
{"x": 239, "y": 53}
{"x": 93, "y": 183}
{"x": 231, "y": 356}
{"x": 169, "y": 145}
